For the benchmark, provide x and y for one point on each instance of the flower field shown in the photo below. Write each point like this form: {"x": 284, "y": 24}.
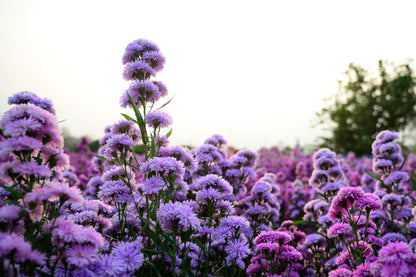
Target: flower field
{"x": 143, "y": 207}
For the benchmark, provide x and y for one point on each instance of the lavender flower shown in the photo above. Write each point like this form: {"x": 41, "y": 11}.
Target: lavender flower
{"x": 129, "y": 253}
{"x": 158, "y": 119}
{"x": 177, "y": 217}
{"x": 237, "y": 250}
{"x": 153, "y": 185}
{"x": 140, "y": 92}
{"x": 138, "y": 70}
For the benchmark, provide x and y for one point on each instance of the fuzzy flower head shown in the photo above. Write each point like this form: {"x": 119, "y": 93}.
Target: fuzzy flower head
{"x": 163, "y": 166}
{"x": 177, "y": 217}
{"x": 280, "y": 237}
{"x": 158, "y": 119}
{"x": 153, "y": 185}
{"x": 140, "y": 92}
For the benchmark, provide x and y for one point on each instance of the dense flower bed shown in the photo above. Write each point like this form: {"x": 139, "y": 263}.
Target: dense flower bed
{"x": 194, "y": 212}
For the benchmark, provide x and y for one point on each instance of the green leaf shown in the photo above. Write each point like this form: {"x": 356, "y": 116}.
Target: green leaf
{"x": 101, "y": 157}
{"x": 140, "y": 120}
{"x": 165, "y": 104}
{"x": 152, "y": 147}
{"x": 169, "y": 133}
{"x": 129, "y": 117}
{"x": 404, "y": 228}
{"x": 373, "y": 176}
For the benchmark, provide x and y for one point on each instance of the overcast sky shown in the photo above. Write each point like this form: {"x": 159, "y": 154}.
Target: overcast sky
{"x": 253, "y": 71}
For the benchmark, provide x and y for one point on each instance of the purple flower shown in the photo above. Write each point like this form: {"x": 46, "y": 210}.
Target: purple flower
{"x": 207, "y": 195}
{"x": 9, "y": 213}
{"x": 395, "y": 270}
{"x": 80, "y": 255}
{"x": 177, "y": 217}
{"x": 279, "y": 237}
{"x": 153, "y": 185}
{"x": 117, "y": 142}
{"x": 289, "y": 254}
{"x": 108, "y": 266}
{"x": 155, "y": 59}
{"x": 396, "y": 253}
{"x": 339, "y": 230}
{"x": 237, "y": 250}
{"x": 181, "y": 154}
{"x": 393, "y": 237}
{"x": 23, "y": 97}
{"x": 340, "y": 272}
{"x": 369, "y": 202}
{"x": 116, "y": 190}
{"x": 135, "y": 49}
{"x": 20, "y": 127}
{"x": 158, "y": 119}
{"x": 213, "y": 181}
{"x": 20, "y": 249}
{"x": 396, "y": 177}
{"x": 165, "y": 166}
{"x": 138, "y": 70}
{"x": 129, "y": 253}
{"x": 392, "y": 199}
{"x": 140, "y": 92}
{"x": 314, "y": 239}
{"x": 236, "y": 224}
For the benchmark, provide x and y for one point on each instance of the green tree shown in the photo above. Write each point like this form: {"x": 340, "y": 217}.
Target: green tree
{"x": 367, "y": 104}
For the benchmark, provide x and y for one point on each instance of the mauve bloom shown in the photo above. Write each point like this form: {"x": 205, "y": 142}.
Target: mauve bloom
{"x": 207, "y": 153}
{"x": 135, "y": 50}
{"x": 339, "y": 229}
{"x": 393, "y": 237}
{"x": 80, "y": 255}
{"x": 10, "y": 243}
{"x": 207, "y": 195}
{"x": 396, "y": 177}
{"x": 138, "y": 70}
{"x": 213, "y": 181}
{"x": 396, "y": 252}
{"x": 324, "y": 163}
{"x": 280, "y": 237}
{"x": 181, "y": 154}
{"x": 237, "y": 250}
{"x": 108, "y": 266}
{"x": 319, "y": 177}
{"x": 314, "y": 239}
{"x": 382, "y": 165}
{"x": 20, "y": 127}
{"x": 129, "y": 253}
{"x": 392, "y": 199}
{"x": 118, "y": 142}
{"x": 165, "y": 166}
{"x": 139, "y": 92}
{"x": 116, "y": 190}
{"x": 267, "y": 247}
{"x": 352, "y": 194}
{"x": 332, "y": 187}
{"x": 340, "y": 272}
{"x": 70, "y": 194}
{"x": 236, "y": 224}
{"x": 158, "y": 119}
{"x": 33, "y": 168}
{"x": 177, "y": 217}
{"x": 153, "y": 185}
{"x": 155, "y": 59}
{"x": 369, "y": 202}
{"x": 395, "y": 270}
{"x": 22, "y": 97}
{"x": 9, "y": 213}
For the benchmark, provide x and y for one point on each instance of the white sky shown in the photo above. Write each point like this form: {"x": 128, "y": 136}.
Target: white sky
{"x": 254, "y": 71}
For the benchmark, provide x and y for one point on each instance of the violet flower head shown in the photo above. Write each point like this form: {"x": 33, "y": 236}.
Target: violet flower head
{"x": 23, "y": 97}
{"x": 237, "y": 250}
{"x": 140, "y": 92}
{"x": 177, "y": 217}
{"x": 340, "y": 272}
{"x": 155, "y": 59}
{"x": 138, "y": 70}
{"x": 158, "y": 119}
{"x": 154, "y": 184}
{"x": 164, "y": 166}
{"x": 9, "y": 213}
{"x": 314, "y": 239}
{"x": 130, "y": 255}
{"x": 115, "y": 190}
{"x": 340, "y": 230}
{"x": 137, "y": 48}
{"x": 213, "y": 181}
{"x": 396, "y": 252}
{"x": 369, "y": 202}
{"x": 279, "y": 237}
{"x": 216, "y": 140}
{"x": 80, "y": 255}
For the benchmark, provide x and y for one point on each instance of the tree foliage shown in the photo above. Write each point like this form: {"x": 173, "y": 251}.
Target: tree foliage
{"x": 367, "y": 104}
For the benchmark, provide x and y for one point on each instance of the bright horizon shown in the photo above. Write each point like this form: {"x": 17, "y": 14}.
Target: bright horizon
{"x": 255, "y": 74}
